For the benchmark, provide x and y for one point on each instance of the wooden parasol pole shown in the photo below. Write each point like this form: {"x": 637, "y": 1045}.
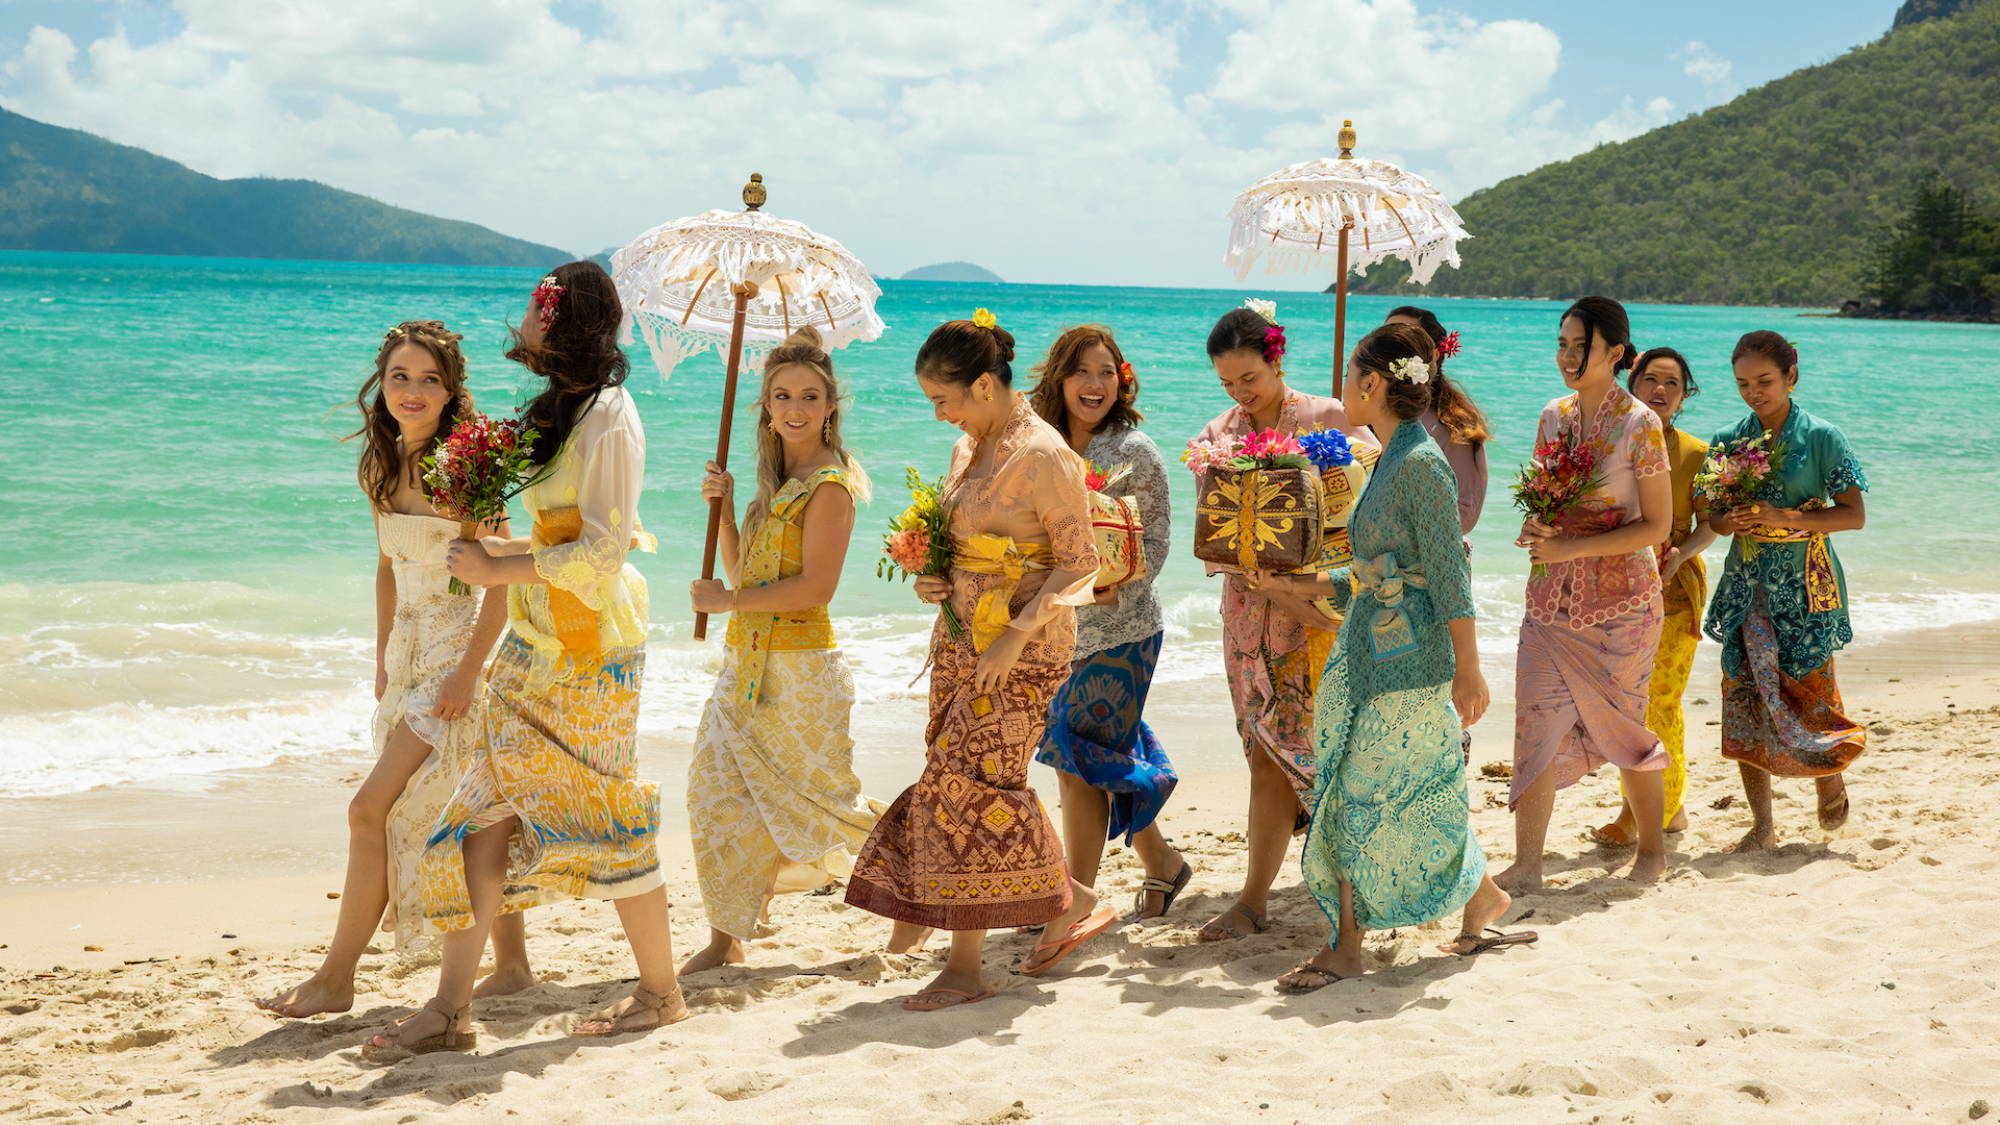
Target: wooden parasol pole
{"x": 753, "y": 198}
{"x": 1346, "y": 139}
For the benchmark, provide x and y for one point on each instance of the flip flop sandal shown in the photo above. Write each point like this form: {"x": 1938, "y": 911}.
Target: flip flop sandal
{"x": 964, "y": 998}
{"x": 1301, "y": 823}
{"x": 648, "y": 999}
{"x": 1840, "y": 802}
{"x": 1258, "y": 923}
{"x": 1327, "y": 977}
{"x": 450, "y": 1039}
{"x": 1167, "y": 891}
{"x": 1099, "y": 921}
{"x": 1481, "y": 944}
{"x": 1606, "y": 836}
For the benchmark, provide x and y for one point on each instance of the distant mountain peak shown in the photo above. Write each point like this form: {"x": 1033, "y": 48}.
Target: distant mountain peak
{"x": 1923, "y": 11}
{"x": 954, "y": 271}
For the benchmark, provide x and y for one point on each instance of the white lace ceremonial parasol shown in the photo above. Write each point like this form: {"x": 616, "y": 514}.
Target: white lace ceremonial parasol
{"x": 740, "y": 282}
{"x": 1297, "y": 217}
{"x": 678, "y": 283}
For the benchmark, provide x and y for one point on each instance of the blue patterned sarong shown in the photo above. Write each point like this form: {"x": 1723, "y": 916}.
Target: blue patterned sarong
{"x": 1390, "y": 815}
{"x": 1095, "y": 733}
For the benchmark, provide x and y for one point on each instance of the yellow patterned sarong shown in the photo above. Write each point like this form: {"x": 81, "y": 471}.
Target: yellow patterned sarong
{"x": 997, "y": 554}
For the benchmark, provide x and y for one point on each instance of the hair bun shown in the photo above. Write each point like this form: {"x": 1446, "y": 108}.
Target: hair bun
{"x": 1005, "y": 341}
{"x": 807, "y": 337}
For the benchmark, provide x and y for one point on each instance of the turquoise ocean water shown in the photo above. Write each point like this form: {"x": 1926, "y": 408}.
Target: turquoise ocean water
{"x": 187, "y": 568}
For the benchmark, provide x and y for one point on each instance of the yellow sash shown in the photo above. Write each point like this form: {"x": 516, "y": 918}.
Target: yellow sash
{"x": 575, "y": 623}
{"x": 1822, "y": 588}
{"x": 998, "y": 554}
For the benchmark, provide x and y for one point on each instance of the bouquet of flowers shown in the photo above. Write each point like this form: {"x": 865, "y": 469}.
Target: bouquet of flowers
{"x": 1732, "y": 476}
{"x": 919, "y": 540}
{"x": 481, "y": 465}
{"x": 1562, "y": 474}
{"x": 1258, "y": 501}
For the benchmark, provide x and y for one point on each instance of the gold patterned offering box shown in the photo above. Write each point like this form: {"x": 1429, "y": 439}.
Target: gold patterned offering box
{"x": 1339, "y": 488}
{"x": 1258, "y": 519}
{"x": 1114, "y": 524}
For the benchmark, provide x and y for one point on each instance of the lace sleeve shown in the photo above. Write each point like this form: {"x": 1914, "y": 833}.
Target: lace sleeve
{"x": 1149, "y": 483}
{"x": 1843, "y": 470}
{"x": 613, "y": 467}
{"x": 1062, "y": 504}
{"x": 1649, "y": 442}
{"x": 1427, "y": 500}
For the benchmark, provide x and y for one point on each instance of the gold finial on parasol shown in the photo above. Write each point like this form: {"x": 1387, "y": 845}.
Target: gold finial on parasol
{"x": 754, "y": 194}
{"x": 1346, "y": 139}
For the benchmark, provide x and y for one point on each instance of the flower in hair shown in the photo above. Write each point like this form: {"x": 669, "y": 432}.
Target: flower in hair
{"x": 1274, "y": 344}
{"x": 983, "y": 318}
{"x": 1125, "y": 375}
{"x": 545, "y": 298}
{"x": 1448, "y": 347}
{"x": 1410, "y": 369}
{"x": 1266, "y": 309}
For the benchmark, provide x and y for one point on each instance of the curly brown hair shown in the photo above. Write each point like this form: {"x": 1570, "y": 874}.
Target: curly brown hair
{"x": 383, "y": 459}
{"x": 1065, "y": 358}
{"x": 578, "y": 355}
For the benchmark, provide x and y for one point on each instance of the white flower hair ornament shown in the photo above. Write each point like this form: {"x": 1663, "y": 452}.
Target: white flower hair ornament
{"x": 1410, "y": 369}
{"x": 1266, "y": 309}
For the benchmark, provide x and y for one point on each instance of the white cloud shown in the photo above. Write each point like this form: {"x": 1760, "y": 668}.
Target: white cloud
{"x": 1042, "y": 138}
{"x": 1708, "y": 68}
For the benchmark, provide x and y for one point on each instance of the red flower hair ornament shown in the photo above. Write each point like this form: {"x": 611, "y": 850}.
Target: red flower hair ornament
{"x": 1448, "y": 347}
{"x": 545, "y": 298}
{"x": 1125, "y": 376}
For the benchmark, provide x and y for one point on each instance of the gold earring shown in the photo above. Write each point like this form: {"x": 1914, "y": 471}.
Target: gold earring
{"x": 826, "y": 429}
{"x": 989, "y": 396}
{"x": 1364, "y": 396}
{"x": 774, "y": 425}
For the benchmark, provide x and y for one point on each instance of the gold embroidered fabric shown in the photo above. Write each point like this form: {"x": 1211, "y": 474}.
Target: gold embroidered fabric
{"x": 597, "y": 473}
{"x": 778, "y": 553}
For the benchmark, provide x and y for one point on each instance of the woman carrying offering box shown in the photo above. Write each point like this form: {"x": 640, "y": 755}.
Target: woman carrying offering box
{"x": 1391, "y": 841}
{"x": 1265, "y": 650}
{"x": 968, "y": 847}
{"x": 1114, "y": 774}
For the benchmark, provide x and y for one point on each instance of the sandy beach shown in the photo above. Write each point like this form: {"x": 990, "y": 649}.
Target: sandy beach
{"x": 1845, "y": 977}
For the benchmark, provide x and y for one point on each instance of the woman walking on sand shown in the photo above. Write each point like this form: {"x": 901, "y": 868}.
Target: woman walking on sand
{"x": 1780, "y": 607}
{"x": 1114, "y": 774}
{"x": 1267, "y": 650}
{"x": 1663, "y": 381}
{"x": 430, "y": 646}
{"x": 552, "y": 805}
{"x": 1391, "y": 840}
{"x": 773, "y": 803}
{"x": 1593, "y": 617}
{"x": 968, "y": 847}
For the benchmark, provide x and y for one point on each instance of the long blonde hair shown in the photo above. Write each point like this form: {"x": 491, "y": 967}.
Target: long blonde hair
{"x": 800, "y": 349}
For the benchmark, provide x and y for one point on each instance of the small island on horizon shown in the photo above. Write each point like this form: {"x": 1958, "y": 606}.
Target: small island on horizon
{"x": 954, "y": 271}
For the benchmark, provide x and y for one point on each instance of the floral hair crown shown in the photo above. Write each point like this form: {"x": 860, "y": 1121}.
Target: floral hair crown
{"x": 440, "y": 335}
{"x": 1274, "y": 336}
{"x": 1410, "y": 369}
{"x": 984, "y": 318}
{"x": 1448, "y": 347}
{"x": 545, "y": 298}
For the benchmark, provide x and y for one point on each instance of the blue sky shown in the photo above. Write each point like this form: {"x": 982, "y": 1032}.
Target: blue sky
{"x": 1072, "y": 141}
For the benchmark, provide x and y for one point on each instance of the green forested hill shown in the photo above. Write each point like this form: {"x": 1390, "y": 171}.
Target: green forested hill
{"x": 1778, "y": 197}
{"x": 61, "y": 189}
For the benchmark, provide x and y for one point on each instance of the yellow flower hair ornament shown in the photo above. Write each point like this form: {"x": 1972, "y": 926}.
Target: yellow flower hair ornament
{"x": 984, "y": 318}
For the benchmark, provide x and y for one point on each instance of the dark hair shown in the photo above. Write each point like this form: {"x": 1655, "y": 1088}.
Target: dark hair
{"x": 1645, "y": 360}
{"x": 1602, "y": 316}
{"x": 383, "y": 461}
{"x": 1382, "y": 348}
{"x": 959, "y": 352}
{"x": 1771, "y": 346}
{"x": 1461, "y": 416}
{"x": 578, "y": 355}
{"x": 1064, "y": 359}
{"x": 1238, "y": 330}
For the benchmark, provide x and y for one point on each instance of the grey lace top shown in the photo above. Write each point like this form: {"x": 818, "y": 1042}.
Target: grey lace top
{"x": 1137, "y": 614}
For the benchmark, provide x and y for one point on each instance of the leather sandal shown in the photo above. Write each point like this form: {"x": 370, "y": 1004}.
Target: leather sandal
{"x": 648, "y": 999}
{"x": 1258, "y": 922}
{"x": 1167, "y": 892}
{"x": 450, "y": 1039}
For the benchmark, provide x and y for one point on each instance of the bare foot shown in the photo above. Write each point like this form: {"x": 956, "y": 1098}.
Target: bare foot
{"x": 1647, "y": 867}
{"x": 1680, "y": 821}
{"x": 505, "y": 982}
{"x": 1520, "y": 878}
{"x": 721, "y": 950}
{"x": 1755, "y": 840}
{"x": 1486, "y": 906}
{"x": 907, "y": 938}
{"x": 315, "y": 996}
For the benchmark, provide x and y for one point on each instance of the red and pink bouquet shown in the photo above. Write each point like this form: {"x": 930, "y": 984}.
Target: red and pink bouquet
{"x": 919, "y": 540}
{"x": 1263, "y": 449}
{"x": 1562, "y": 475}
{"x": 480, "y": 466}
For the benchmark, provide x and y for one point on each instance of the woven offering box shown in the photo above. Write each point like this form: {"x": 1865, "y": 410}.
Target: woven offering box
{"x": 1257, "y": 519}
{"x": 1114, "y": 524}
